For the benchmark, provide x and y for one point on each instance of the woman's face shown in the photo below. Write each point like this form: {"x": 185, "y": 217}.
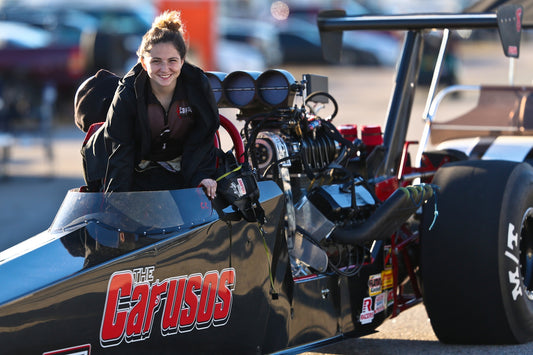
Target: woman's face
{"x": 163, "y": 64}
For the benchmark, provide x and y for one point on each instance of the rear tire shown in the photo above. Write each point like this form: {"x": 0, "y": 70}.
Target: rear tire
{"x": 477, "y": 261}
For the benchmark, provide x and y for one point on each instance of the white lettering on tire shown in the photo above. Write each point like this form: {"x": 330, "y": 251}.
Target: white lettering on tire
{"x": 514, "y": 276}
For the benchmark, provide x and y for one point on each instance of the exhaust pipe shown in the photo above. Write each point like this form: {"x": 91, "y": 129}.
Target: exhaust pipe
{"x": 395, "y": 211}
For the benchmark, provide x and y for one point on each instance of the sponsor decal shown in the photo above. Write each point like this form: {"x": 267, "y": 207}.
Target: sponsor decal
{"x": 387, "y": 279}
{"x": 374, "y": 284}
{"x": 74, "y": 350}
{"x": 242, "y": 188}
{"x": 390, "y": 298}
{"x": 514, "y": 273}
{"x": 387, "y": 252}
{"x": 518, "y": 15}
{"x": 184, "y": 112}
{"x": 367, "y": 313}
{"x": 238, "y": 188}
{"x": 185, "y": 303}
{"x": 380, "y": 303}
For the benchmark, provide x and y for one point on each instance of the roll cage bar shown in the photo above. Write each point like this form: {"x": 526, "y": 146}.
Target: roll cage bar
{"x": 331, "y": 24}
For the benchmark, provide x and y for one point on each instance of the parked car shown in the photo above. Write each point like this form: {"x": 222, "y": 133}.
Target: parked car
{"x": 108, "y": 34}
{"x": 119, "y": 31}
{"x": 32, "y": 65}
{"x": 235, "y": 55}
{"x": 65, "y": 24}
{"x": 30, "y": 52}
{"x": 450, "y": 69}
{"x": 72, "y": 40}
{"x": 256, "y": 33}
{"x": 300, "y": 43}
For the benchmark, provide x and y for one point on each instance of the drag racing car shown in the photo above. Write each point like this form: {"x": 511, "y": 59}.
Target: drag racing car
{"x": 318, "y": 234}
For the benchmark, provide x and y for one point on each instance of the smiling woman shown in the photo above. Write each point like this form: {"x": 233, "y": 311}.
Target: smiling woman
{"x": 160, "y": 127}
{"x": 163, "y": 65}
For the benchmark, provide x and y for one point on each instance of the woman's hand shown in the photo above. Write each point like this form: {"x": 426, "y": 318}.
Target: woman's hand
{"x": 210, "y": 187}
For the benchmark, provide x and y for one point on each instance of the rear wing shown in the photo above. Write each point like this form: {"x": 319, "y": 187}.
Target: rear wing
{"x": 508, "y": 20}
{"x": 331, "y": 24}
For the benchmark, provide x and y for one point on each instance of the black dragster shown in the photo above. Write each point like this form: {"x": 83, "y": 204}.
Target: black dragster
{"x": 321, "y": 233}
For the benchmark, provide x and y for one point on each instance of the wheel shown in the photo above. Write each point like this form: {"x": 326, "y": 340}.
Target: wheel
{"x": 477, "y": 260}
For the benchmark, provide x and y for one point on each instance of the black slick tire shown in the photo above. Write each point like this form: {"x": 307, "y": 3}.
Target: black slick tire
{"x": 477, "y": 259}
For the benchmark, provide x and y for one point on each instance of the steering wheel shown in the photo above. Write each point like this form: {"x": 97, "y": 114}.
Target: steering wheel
{"x": 235, "y": 138}
{"x": 316, "y": 106}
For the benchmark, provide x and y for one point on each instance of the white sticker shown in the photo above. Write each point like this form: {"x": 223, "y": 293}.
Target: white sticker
{"x": 367, "y": 313}
{"x": 380, "y": 303}
{"x": 242, "y": 188}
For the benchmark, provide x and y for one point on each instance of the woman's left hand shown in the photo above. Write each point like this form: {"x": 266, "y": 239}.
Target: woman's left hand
{"x": 210, "y": 187}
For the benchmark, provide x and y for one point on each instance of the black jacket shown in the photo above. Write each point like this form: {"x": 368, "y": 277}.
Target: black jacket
{"x": 124, "y": 140}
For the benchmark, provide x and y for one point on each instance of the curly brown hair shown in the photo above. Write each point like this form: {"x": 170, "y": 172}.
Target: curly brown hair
{"x": 166, "y": 27}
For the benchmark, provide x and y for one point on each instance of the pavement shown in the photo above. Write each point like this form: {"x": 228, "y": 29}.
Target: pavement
{"x": 34, "y": 187}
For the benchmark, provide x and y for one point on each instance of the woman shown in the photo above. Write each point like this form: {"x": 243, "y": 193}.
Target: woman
{"x": 160, "y": 127}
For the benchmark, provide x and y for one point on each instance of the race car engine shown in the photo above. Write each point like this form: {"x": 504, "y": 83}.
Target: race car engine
{"x": 320, "y": 172}
{"x": 333, "y": 217}
{"x": 315, "y": 152}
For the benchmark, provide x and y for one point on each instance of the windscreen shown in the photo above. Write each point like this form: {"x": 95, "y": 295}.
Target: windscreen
{"x": 142, "y": 212}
